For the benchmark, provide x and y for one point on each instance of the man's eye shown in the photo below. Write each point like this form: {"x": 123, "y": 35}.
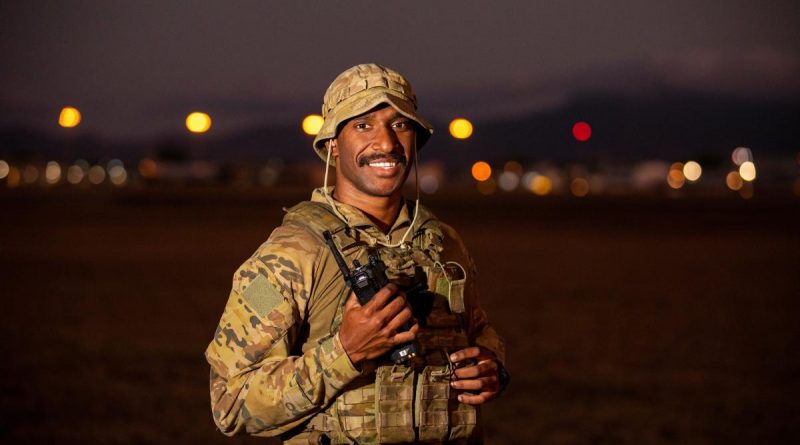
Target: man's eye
{"x": 401, "y": 124}
{"x": 361, "y": 125}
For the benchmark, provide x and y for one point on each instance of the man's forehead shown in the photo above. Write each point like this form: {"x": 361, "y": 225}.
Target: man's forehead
{"x": 371, "y": 114}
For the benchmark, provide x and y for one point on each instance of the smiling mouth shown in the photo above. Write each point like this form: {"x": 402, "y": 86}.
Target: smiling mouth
{"x": 383, "y": 164}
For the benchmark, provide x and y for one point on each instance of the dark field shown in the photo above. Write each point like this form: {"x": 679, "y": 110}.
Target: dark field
{"x": 637, "y": 321}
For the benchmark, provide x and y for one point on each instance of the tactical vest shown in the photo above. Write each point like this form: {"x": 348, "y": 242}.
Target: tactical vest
{"x": 399, "y": 403}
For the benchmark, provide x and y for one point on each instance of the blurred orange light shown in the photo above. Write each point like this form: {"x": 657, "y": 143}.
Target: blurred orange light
{"x": 579, "y": 187}
{"x": 541, "y": 185}
{"x": 198, "y": 122}
{"x": 675, "y": 177}
{"x": 13, "y": 178}
{"x": 52, "y": 173}
{"x": 148, "y": 168}
{"x": 70, "y": 117}
{"x": 692, "y": 171}
{"x": 734, "y": 181}
{"x": 481, "y": 171}
{"x": 460, "y": 128}
{"x": 581, "y": 131}
{"x": 747, "y": 190}
{"x": 513, "y": 167}
{"x": 312, "y": 124}
{"x": 4, "y": 169}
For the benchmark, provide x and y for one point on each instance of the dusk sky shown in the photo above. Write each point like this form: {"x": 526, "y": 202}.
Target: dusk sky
{"x": 137, "y": 68}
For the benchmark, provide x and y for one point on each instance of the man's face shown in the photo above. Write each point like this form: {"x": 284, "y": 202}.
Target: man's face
{"x": 374, "y": 152}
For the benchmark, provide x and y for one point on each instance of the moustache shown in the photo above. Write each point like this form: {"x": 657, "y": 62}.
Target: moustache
{"x": 383, "y": 157}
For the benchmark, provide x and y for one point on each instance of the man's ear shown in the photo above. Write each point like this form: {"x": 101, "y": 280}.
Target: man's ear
{"x": 333, "y": 147}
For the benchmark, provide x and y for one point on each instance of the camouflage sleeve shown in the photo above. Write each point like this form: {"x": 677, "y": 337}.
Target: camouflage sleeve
{"x": 480, "y": 330}
{"x": 257, "y": 385}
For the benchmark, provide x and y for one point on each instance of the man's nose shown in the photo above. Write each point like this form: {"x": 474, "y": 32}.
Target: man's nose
{"x": 386, "y": 139}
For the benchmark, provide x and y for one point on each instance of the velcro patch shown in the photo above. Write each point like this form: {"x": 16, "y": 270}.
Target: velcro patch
{"x": 262, "y": 296}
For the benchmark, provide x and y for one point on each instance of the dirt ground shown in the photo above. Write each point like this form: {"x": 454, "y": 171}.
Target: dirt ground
{"x": 628, "y": 321}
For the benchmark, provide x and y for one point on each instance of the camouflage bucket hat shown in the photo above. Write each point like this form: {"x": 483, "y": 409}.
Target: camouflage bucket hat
{"x": 360, "y": 89}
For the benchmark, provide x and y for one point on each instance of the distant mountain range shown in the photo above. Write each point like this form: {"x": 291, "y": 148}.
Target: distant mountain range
{"x": 668, "y": 125}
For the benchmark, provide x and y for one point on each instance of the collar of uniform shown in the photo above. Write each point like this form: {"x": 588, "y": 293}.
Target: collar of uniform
{"x": 357, "y": 218}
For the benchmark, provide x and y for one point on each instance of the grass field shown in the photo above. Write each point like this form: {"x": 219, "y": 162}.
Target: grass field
{"x": 628, "y": 320}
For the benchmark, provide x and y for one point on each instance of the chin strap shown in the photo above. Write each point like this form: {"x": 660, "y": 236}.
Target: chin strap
{"x": 335, "y": 207}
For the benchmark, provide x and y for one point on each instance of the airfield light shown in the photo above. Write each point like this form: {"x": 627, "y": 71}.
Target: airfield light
{"x": 198, "y": 122}
{"x": 117, "y": 175}
{"x": 741, "y": 155}
{"x": 97, "y": 174}
{"x": 481, "y": 171}
{"x": 579, "y": 187}
{"x": 508, "y": 180}
{"x": 30, "y": 174}
{"x": 734, "y": 181}
{"x": 148, "y": 168}
{"x": 581, "y": 131}
{"x": 692, "y": 171}
{"x": 4, "y": 168}
{"x": 460, "y": 128}
{"x": 312, "y": 124}
{"x": 13, "y": 178}
{"x": 675, "y": 177}
{"x": 75, "y": 174}
{"x": 52, "y": 173}
{"x": 747, "y": 171}
{"x": 70, "y": 117}
{"x": 541, "y": 185}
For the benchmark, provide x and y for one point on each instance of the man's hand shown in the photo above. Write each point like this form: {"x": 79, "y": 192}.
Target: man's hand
{"x": 481, "y": 379}
{"x": 369, "y": 331}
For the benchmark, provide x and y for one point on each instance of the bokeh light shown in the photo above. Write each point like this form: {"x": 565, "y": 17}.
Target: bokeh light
{"x": 75, "y": 174}
{"x": 508, "y": 180}
{"x": 747, "y": 171}
{"x": 429, "y": 184}
{"x": 198, "y": 122}
{"x": 734, "y": 181}
{"x": 148, "y": 168}
{"x": 460, "y": 128}
{"x": 312, "y": 124}
{"x": 692, "y": 171}
{"x": 481, "y": 171}
{"x": 30, "y": 174}
{"x": 487, "y": 187}
{"x": 97, "y": 174}
{"x": 52, "y": 172}
{"x": 579, "y": 187}
{"x": 14, "y": 177}
{"x": 69, "y": 117}
{"x": 514, "y": 167}
{"x": 675, "y": 177}
{"x": 581, "y": 131}
{"x": 741, "y": 155}
{"x": 746, "y": 191}
{"x": 541, "y": 185}
{"x": 4, "y": 169}
{"x": 117, "y": 174}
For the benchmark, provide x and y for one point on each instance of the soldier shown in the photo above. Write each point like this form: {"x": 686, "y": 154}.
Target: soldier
{"x": 296, "y": 355}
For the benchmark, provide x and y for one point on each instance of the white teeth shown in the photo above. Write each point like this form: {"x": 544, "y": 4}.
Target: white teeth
{"x": 382, "y": 164}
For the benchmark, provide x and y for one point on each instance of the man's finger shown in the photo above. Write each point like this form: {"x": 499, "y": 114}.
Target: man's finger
{"x": 475, "y": 352}
{"x": 481, "y": 398}
{"x": 381, "y": 297}
{"x": 487, "y": 383}
{"x": 482, "y": 369}
{"x": 399, "y": 319}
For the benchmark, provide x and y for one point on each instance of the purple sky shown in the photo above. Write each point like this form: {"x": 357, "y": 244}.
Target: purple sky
{"x": 137, "y": 68}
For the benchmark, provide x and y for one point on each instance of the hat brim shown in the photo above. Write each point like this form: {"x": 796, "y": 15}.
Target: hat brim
{"x": 361, "y": 103}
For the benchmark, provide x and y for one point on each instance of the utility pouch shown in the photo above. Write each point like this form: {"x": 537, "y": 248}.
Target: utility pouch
{"x": 440, "y": 417}
{"x": 451, "y": 285}
{"x": 355, "y": 415}
{"x": 394, "y": 402}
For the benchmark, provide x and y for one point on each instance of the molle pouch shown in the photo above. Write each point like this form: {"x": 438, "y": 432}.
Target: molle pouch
{"x": 355, "y": 413}
{"x": 440, "y": 417}
{"x": 394, "y": 404}
{"x": 450, "y": 284}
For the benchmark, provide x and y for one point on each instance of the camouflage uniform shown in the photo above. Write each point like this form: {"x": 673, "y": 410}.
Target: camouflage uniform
{"x": 278, "y": 367}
